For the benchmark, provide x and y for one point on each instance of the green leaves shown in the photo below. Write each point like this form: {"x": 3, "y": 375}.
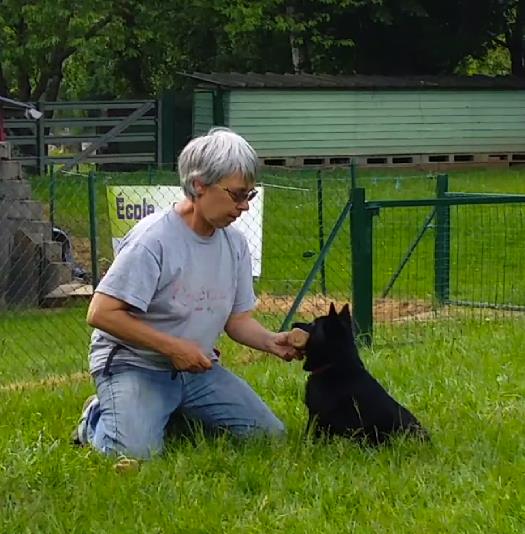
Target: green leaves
{"x": 133, "y": 48}
{"x": 39, "y": 37}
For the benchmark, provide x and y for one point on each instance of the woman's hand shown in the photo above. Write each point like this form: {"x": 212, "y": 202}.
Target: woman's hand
{"x": 187, "y": 356}
{"x": 280, "y": 345}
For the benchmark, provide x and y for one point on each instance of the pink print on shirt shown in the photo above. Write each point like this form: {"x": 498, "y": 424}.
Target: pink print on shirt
{"x": 199, "y": 299}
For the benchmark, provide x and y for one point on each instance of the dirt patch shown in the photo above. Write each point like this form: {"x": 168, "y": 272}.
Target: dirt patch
{"x": 82, "y": 255}
{"x": 49, "y": 382}
{"x": 82, "y": 251}
{"x": 385, "y": 310}
{"x": 392, "y": 309}
{"x": 312, "y": 305}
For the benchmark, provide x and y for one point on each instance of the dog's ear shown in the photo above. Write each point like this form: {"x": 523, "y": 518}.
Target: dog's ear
{"x": 345, "y": 314}
{"x": 331, "y": 311}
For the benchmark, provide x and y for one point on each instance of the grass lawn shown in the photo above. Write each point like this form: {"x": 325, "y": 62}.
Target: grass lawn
{"x": 35, "y": 344}
{"x": 465, "y": 381}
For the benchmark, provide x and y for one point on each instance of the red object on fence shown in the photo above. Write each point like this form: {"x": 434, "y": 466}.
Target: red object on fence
{"x": 3, "y": 137}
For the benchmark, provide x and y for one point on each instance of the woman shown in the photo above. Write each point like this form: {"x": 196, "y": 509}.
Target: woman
{"x": 180, "y": 278}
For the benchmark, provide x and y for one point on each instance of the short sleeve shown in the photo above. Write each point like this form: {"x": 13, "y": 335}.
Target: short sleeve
{"x": 133, "y": 276}
{"x": 244, "y": 296}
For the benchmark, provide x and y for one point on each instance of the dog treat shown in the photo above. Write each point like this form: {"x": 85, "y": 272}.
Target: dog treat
{"x": 298, "y": 338}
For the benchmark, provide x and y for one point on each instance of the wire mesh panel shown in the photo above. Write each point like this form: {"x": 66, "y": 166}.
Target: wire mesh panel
{"x": 79, "y": 216}
{"x": 44, "y": 276}
{"x": 487, "y": 258}
{"x": 403, "y": 264}
{"x": 59, "y": 234}
{"x": 300, "y": 211}
{"x": 468, "y": 264}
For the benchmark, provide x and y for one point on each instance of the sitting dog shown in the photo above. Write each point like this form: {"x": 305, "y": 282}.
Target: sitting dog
{"x": 342, "y": 397}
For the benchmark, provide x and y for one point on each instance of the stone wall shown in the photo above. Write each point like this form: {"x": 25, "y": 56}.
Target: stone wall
{"x": 30, "y": 262}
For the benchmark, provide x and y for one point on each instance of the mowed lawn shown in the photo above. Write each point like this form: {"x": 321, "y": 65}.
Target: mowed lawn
{"x": 466, "y": 382}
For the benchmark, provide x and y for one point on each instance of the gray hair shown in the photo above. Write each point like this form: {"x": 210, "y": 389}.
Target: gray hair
{"x": 211, "y": 157}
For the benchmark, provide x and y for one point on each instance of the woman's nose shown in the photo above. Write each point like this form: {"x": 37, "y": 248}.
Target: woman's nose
{"x": 244, "y": 205}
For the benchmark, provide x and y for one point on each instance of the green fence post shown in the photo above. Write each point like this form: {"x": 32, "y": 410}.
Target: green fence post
{"x": 92, "y": 184}
{"x": 40, "y": 139}
{"x": 361, "y": 246}
{"x": 150, "y": 175}
{"x": 320, "y": 222}
{"x": 353, "y": 174}
{"x": 168, "y": 125}
{"x": 159, "y": 130}
{"x": 442, "y": 244}
{"x": 52, "y": 195}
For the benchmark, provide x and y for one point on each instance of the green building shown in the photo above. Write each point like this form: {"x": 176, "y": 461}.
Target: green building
{"x": 301, "y": 120}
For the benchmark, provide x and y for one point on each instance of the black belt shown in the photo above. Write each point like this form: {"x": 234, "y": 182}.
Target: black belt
{"x": 111, "y": 355}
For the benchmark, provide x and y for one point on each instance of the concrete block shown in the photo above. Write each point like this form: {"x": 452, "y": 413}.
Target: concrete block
{"x": 31, "y": 210}
{"x": 10, "y": 170}
{"x": 52, "y": 251}
{"x": 31, "y": 227}
{"x": 15, "y": 189}
{"x": 54, "y": 274}
{"x": 24, "y": 272}
{"x": 5, "y": 150}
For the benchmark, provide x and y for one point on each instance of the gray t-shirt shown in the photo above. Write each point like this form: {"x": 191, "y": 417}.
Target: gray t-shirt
{"x": 177, "y": 282}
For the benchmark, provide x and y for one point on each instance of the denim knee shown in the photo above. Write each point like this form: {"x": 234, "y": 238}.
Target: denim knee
{"x": 265, "y": 425}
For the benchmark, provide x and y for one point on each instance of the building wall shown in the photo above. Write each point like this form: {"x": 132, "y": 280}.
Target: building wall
{"x": 365, "y": 122}
{"x": 202, "y": 112}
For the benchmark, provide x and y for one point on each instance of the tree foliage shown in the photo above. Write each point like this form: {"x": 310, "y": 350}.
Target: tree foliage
{"x": 134, "y": 48}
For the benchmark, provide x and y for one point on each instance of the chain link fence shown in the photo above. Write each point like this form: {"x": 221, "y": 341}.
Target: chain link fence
{"x": 426, "y": 263}
{"x": 459, "y": 255}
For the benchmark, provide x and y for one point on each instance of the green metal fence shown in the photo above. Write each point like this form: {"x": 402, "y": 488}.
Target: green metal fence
{"x": 404, "y": 251}
{"x": 473, "y": 256}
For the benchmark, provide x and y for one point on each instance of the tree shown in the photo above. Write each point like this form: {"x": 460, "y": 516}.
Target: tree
{"x": 38, "y": 38}
{"x": 134, "y": 48}
{"x": 514, "y": 34}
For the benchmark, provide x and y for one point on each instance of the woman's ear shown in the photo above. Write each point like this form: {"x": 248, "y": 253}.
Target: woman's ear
{"x": 199, "y": 187}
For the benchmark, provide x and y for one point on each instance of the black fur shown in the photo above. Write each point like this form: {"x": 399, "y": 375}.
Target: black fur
{"x": 342, "y": 397}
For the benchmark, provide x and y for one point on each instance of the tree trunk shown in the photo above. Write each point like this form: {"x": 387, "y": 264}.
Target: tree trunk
{"x": 294, "y": 48}
{"x": 53, "y": 87}
{"x": 300, "y": 59}
{"x": 4, "y": 90}
{"x": 24, "y": 85}
{"x": 515, "y": 41}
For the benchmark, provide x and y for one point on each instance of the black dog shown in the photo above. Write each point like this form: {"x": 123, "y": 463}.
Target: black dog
{"x": 341, "y": 396}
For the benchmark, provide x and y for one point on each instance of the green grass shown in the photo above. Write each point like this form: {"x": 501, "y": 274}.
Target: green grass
{"x": 464, "y": 381}
{"x": 34, "y": 344}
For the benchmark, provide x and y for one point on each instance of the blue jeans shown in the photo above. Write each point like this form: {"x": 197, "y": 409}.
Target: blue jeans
{"x": 135, "y": 404}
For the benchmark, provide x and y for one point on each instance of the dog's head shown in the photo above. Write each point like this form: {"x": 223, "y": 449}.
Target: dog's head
{"x": 331, "y": 341}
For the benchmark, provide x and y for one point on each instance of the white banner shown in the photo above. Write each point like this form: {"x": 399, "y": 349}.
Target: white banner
{"x": 128, "y": 204}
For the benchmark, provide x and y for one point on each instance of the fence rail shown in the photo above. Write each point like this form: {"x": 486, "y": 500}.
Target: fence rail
{"x": 66, "y": 127}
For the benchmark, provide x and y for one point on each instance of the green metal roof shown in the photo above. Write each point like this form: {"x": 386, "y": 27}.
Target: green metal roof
{"x": 269, "y": 80}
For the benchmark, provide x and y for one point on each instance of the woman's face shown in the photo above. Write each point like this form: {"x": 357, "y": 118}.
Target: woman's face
{"x": 222, "y": 203}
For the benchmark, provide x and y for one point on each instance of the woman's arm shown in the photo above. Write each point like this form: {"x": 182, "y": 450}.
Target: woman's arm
{"x": 245, "y": 329}
{"x": 112, "y": 316}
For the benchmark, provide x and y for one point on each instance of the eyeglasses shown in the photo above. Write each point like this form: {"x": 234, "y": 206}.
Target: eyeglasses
{"x": 239, "y": 196}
